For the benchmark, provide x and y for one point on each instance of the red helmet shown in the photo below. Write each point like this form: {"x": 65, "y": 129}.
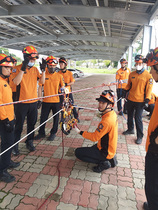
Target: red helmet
{"x": 107, "y": 95}
{"x": 63, "y": 60}
{"x": 52, "y": 61}
{"x": 6, "y": 60}
{"x": 139, "y": 59}
{"x": 152, "y": 57}
{"x": 123, "y": 60}
{"x": 30, "y": 52}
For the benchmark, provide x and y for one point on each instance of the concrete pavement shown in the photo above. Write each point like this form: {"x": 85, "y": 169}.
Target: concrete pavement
{"x": 80, "y": 188}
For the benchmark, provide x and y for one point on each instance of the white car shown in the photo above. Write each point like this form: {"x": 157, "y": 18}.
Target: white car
{"x": 76, "y": 73}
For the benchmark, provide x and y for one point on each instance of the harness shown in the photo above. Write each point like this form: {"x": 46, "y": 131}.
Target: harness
{"x": 67, "y": 121}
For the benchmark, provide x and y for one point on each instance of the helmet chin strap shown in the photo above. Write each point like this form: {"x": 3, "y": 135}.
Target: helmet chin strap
{"x": 106, "y": 108}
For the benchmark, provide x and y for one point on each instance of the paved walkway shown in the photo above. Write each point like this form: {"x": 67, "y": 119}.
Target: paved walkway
{"x": 118, "y": 188}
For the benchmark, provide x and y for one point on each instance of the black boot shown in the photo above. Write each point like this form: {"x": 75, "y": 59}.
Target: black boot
{"x": 39, "y": 136}
{"x": 127, "y": 132}
{"x": 6, "y": 177}
{"x": 13, "y": 164}
{"x": 145, "y": 206}
{"x": 102, "y": 166}
{"x": 138, "y": 141}
{"x": 51, "y": 137}
{"x": 30, "y": 146}
{"x": 113, "y": 162}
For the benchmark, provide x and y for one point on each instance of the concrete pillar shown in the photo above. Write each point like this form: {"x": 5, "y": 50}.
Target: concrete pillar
{"x": 146, "y": 39}
{"x": 130, "y": 55}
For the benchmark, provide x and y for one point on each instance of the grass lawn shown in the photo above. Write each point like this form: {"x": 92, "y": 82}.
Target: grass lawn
{"x": 97, "y": 71}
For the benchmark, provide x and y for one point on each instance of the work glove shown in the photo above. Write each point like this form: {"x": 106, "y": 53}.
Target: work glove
{"x": 8, "y": 125}
{"x": 153, "y": 136}
{"x": 39, "y": 103}
{"x": 76, "y": 129}
{"x": 43, "y": 65}
{"x": 62, "y": 90}
{"x": 65, "y": 84}
{"x": 24, "y": 64}
{"x": 146, "y": 101}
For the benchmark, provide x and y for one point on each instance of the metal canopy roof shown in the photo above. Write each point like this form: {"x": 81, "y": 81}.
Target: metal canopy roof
{"x": 75, "y": 29}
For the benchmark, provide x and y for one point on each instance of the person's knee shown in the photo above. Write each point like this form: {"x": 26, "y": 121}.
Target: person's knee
{"x": 77, "y": 153}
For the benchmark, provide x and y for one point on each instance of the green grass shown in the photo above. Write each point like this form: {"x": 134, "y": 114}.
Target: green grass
{"x": 97, "y": 71}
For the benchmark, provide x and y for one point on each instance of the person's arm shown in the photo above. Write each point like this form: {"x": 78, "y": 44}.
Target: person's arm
{"x": 18, "y": 78}
{"x": 40, "y": 91}
{"x": 149, "y": 87}
{"x": 42, "y": 79}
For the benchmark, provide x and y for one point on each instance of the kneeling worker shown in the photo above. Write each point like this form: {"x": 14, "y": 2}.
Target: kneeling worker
{"x": 106, "y": 134}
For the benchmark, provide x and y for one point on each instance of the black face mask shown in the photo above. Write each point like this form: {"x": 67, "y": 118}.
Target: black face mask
{"x": 52, "y": 70}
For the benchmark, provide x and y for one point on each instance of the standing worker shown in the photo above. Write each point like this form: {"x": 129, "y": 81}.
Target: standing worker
{"x": 6, "y": 120}
{"x": 139, "y": 85}
{"x": 53, "y": 82}
{"x": 122, "y": 78}
{"x": 151, "y": 159}
{"x": 106, "y": 134}
{"x": 26, "y": 77}
{"x": 68, "y": 80}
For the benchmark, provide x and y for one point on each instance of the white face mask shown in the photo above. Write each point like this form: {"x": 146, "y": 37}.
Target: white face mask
{"x": 139, "y": 67}
{"x": 30, "y": 64}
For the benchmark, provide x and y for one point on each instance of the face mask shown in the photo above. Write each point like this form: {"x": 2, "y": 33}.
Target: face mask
{"x": 30, "y": 64}
{"x": 139, "y": 67}
{"x": 51, "y": 70}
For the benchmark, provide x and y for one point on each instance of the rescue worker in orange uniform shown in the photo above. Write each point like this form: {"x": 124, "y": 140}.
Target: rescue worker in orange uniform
{"x": 53, "y": 82}
{"x": 25, "y": 77}
{"x": 6, "y": 119}
{"x": 68, "y": 80}
{"x": 139, "y": 85}
{"x": 150, "y": 106}
{"x": 106, "y": 134}
{"x": 151, "y": 159}
{"x": 122, "y": 78}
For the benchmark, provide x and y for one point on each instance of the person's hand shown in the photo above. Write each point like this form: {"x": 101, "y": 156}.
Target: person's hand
{"x": 65, "y": 84}
{"x": 8, "y": 125}
{"x": 43, "y": 65}
{"x": 62, "y": 90}
{"x": 154, "y": 136}
{"x": 39, "y": 103}
{"x": 76, "y": 129}
{"x": 124, "y": 93}
{"x": 24, "y": 64}
{"x": 146, "y": 103}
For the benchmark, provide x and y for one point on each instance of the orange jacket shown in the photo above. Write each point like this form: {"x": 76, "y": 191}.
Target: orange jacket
{"x": 68, "y": 77}
{"x": 27, "y": 88}
{"x": 106, "y": 134}
{"x": 122, "y": 75}
{"x": 139, "y": 86}
{"x": 52, "y": 84}
{"x": 6, "y": 97}
{"x": 152, "y": 124}
{"x": 153, "y": 99}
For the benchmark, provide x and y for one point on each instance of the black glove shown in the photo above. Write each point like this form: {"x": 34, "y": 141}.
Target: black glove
{"x": 43, "y": 65}
{"x": 65, "y": 84}
{"x": 24, "y": 64}
{"x": 8, "y": 125}
{"x": 146, "y": 101}
{"x": 39, "y": 103}
{"x": 153, "y": 136}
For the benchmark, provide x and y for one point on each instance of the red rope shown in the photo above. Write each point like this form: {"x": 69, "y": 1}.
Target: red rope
{"x": 58, "y": 169}
{"x": 32, "y": 99}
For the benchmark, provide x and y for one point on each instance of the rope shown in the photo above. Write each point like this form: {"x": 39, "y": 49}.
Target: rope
{"x": 30, "y": 133}
{"x": 58, "y": 175}
{"x": 38, "y": 98}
